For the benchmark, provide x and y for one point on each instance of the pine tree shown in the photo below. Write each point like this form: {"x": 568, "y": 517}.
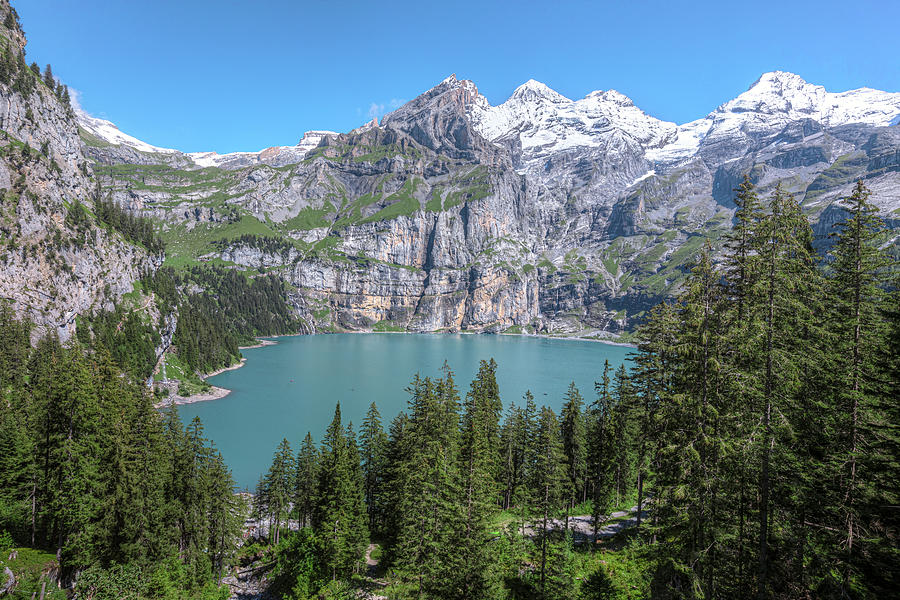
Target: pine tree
{"x": 740, "y": 271}
{"x": 856, "y": 286}
{"x": 624, "y": 422}
{"x": 396, "y": 474}
{"x": 357, "y": 500}
{"x": 425, "y": 487}
{"x": 306, "y": 482}
{"x": 223, "y": 515}
{"x": 373, "y": 444}
{"x": 689, "y": 457}
{"x": 548, "y": 483}
{"x": 479, "y": 470}
{"x": 279, "y": 483}
{"x": 340, "y": 527}
{"x": 560, "y": 581}
{"x": 574, "y": 447}
{"x": 786, "y": 312}
{"x": 601, "y": 450}
{"x": 511, "y": 455}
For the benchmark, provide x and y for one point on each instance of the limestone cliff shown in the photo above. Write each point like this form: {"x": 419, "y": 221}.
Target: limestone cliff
{"x": 56, "y": 261}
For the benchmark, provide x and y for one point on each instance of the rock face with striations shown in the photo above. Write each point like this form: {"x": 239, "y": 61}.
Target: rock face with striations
{"x": 55, "y": 261}
{"x": 539, "y": 214}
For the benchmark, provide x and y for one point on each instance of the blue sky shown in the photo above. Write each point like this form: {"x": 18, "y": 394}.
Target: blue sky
{"x": 230, "y": 75}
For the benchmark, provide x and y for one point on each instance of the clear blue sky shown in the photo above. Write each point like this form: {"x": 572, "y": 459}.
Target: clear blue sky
{"x": 229, "y": 75}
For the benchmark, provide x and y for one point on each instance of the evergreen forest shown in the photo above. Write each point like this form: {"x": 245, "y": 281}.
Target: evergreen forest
{"x": 749, "y": 450}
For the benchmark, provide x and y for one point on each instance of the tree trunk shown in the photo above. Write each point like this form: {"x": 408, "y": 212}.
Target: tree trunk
{"x": 768, "y": 440}
{"x": 544, "y": 538}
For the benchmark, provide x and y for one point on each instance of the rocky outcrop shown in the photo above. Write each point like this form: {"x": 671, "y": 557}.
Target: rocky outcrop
{"x": 56, "y": 261}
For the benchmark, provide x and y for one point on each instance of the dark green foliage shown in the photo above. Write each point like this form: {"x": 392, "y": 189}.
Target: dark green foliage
{"x": 373, "y": 445}
{"x": 297, "y": 574}
{"x": 306, "y": 482}
{"x": 249, "y": 306}
{"x": 479, "y": 470}
{"x": 424, "y": 486}
{"x": 133, "y": 227}
{"x": 267, "y": 245}
{"x": 549, "y": 485}
{"x": 231, "y": 310}
{"x": 278, "y": 488}
{"x": 203, "y": 341}
{"x": 11, "y": 21}
{"x": 770, "y": 438}
{"x": 601, "y": 449}
{"x": 339, "y": 513}
{"x": 574, "y": 435}
{"x": 129, "y": 339}
{"x": 92, "y": 473}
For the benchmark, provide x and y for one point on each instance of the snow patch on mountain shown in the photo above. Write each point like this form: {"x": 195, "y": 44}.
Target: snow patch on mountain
{"x": 546, "y": 122}
{"x": 108, "y": 132}
{"x": 310, "y": 140}
{"x": 685, "y": 145}
{"x": 646, "y": 175}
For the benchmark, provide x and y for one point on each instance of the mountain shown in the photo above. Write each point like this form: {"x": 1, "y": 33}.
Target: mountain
{"x": 539, "y": 214}
{"x": 56, "y": 260}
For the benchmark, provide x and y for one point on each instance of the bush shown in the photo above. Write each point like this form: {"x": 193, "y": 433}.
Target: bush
{"x": 119, "y": 581}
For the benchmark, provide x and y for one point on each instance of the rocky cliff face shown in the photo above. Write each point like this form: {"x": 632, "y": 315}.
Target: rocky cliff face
{"x": 56, "y": 262}
{"x": 541, "y": 214}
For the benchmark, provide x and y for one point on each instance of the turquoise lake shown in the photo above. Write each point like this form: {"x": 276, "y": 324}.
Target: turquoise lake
{"x": 290, "y": 388}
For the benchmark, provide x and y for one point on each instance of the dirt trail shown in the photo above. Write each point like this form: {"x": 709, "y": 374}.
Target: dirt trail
{"x": 371, "y": 563}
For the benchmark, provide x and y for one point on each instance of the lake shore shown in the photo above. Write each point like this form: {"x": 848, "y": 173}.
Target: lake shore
{"x": 231, "y": 368}
{"x": 572, "y": 337}
{"x": 261, "y": 344}
{"x": 213, "y": 393}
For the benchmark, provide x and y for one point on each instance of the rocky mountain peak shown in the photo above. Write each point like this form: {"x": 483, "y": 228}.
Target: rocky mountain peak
{"x": 437, "y": 118}
{"x": 370, "y": 125}
{"x": 451, "y": 91}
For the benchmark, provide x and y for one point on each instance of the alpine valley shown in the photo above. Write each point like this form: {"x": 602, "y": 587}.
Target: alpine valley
{"x": 743, "y": 445}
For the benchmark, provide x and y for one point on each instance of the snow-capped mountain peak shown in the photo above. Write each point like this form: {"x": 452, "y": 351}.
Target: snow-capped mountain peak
{"x": 773, "y": 101}
{"x": 535, "y": 91}
{"x": 787, "y": 96}
{"x": 542, "y": 122}
{"x": 777, "y": 92}
{"x": 547, "y": 122}
{"x": 610, "y": 96}
{"x": 109, "y": 133}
